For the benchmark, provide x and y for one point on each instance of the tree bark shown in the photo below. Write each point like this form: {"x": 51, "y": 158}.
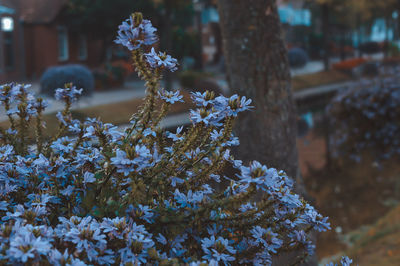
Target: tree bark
{"x": 325, "y": 35}
{"x": 257, "y": 67}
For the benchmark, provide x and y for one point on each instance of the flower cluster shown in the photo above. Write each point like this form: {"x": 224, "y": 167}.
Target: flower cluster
{"x": 366, "y": 119}
{"x": 345, "y": 261}
{"x": 135, "y": 33}
{"x": 94, "y": 195}
{"x": 161, "y": 60}
{"x": 69, "y": 93}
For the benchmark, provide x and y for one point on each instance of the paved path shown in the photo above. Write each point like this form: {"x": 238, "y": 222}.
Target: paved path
{"x": 131, "y": 90}
{"x": 324, "y": 89}
{"x": 136, "y": 89}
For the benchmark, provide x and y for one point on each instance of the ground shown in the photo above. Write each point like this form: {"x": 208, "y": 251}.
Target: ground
{"x": 355, "y": 196}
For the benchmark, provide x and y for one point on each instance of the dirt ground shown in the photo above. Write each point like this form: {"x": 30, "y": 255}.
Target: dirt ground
{"x": 355, "y": 196}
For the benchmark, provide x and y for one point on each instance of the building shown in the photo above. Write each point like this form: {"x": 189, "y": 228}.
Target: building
{"x": 11, "y": 42}
{"x": 37, "y": 38}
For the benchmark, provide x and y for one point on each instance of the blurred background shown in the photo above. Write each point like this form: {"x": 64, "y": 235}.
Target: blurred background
{"x": 344, "y": 58}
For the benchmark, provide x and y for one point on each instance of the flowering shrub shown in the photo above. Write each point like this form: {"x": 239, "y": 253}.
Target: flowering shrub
{"x": 366, "y": 118}
{"x": 92, "y": 194}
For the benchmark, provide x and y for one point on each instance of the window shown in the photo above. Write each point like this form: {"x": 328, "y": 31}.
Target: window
{"x": 7, "y": 26}
{"x": 82, "y": 47}
{"x": 63, "y": 54}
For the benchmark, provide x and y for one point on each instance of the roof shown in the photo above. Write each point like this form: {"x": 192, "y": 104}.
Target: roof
{"x": 39, "y": 11}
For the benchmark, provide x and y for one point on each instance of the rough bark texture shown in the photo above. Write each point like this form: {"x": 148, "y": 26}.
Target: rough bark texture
{"x": 257, "y": 67}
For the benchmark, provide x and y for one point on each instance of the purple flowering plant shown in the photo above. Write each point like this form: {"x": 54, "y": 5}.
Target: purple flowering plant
{"x": 93, "y": 194}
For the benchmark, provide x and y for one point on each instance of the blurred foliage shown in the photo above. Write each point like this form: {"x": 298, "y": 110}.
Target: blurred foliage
{"x": 297, "y": 57}
{"x": 189, "y": 78}
{"x": 185, "y": 43}
{"x": 57, "y": 76}
{"x": 100, "y": 19}
{"x": 394, "y": 50}
{"x": 365, "y": 118}
{"x": 352, "y": 13}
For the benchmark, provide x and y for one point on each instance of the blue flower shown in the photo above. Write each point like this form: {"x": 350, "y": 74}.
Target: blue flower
{"x": 41, "y": 200}
{"x": 134, "y": 36}
{"x": 217, "y": 249}
{"x": 88, "y": 155}
{"x": 161, "y": 239}
{"x": 41, "y": 162}
{"x": 267, "y": 238}
{"x": 205, "y": 116}
{"x": 149, "y": 132}
{"x": 69, "y": 93}
{"x": 56, "y": 258}
{"x": 190, "y": 200}
{"x": 161, "y": 60}
{"x": 25, "y": 246}
{"x": 88, "y": 178}
{"x": 204, "y": 99}
{"x": 117, "y": 226}
{"x": 3, "y": 205}
{"x": 141, "y": 212}
{"x": 6, "y": 151}
{"x": 265, "y": 179}
{"x": 138, "y": 159}
{"x": 233, "y": 105}
{"x": 312, "y": 217}
{"x": 68, "y": 190}
{"x": 63, "y": 145}
{"x": 345, "y": 261}
{"x": 30, "y": 214}
{"x": 301, "y": 237}
{"x": 177, "y": 136}
{"x": 170, "y": 96}
{"x": 176, "y": 180}
{"x": 136, "y": 249}
{"x": 112, "y": 132}
{"x": 87, "y": 237}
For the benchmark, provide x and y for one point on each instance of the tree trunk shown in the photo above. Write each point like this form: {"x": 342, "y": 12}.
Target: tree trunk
{"x": 325, "y": 34}
{"x": 343, "y": 45}
{"x": 258, "y": 68}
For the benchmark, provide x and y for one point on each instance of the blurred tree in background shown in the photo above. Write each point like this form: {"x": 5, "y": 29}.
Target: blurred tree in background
{"x": 100, "y": 19}
{"x": 175, "y": 14}
{"x": 340, "y": 18}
